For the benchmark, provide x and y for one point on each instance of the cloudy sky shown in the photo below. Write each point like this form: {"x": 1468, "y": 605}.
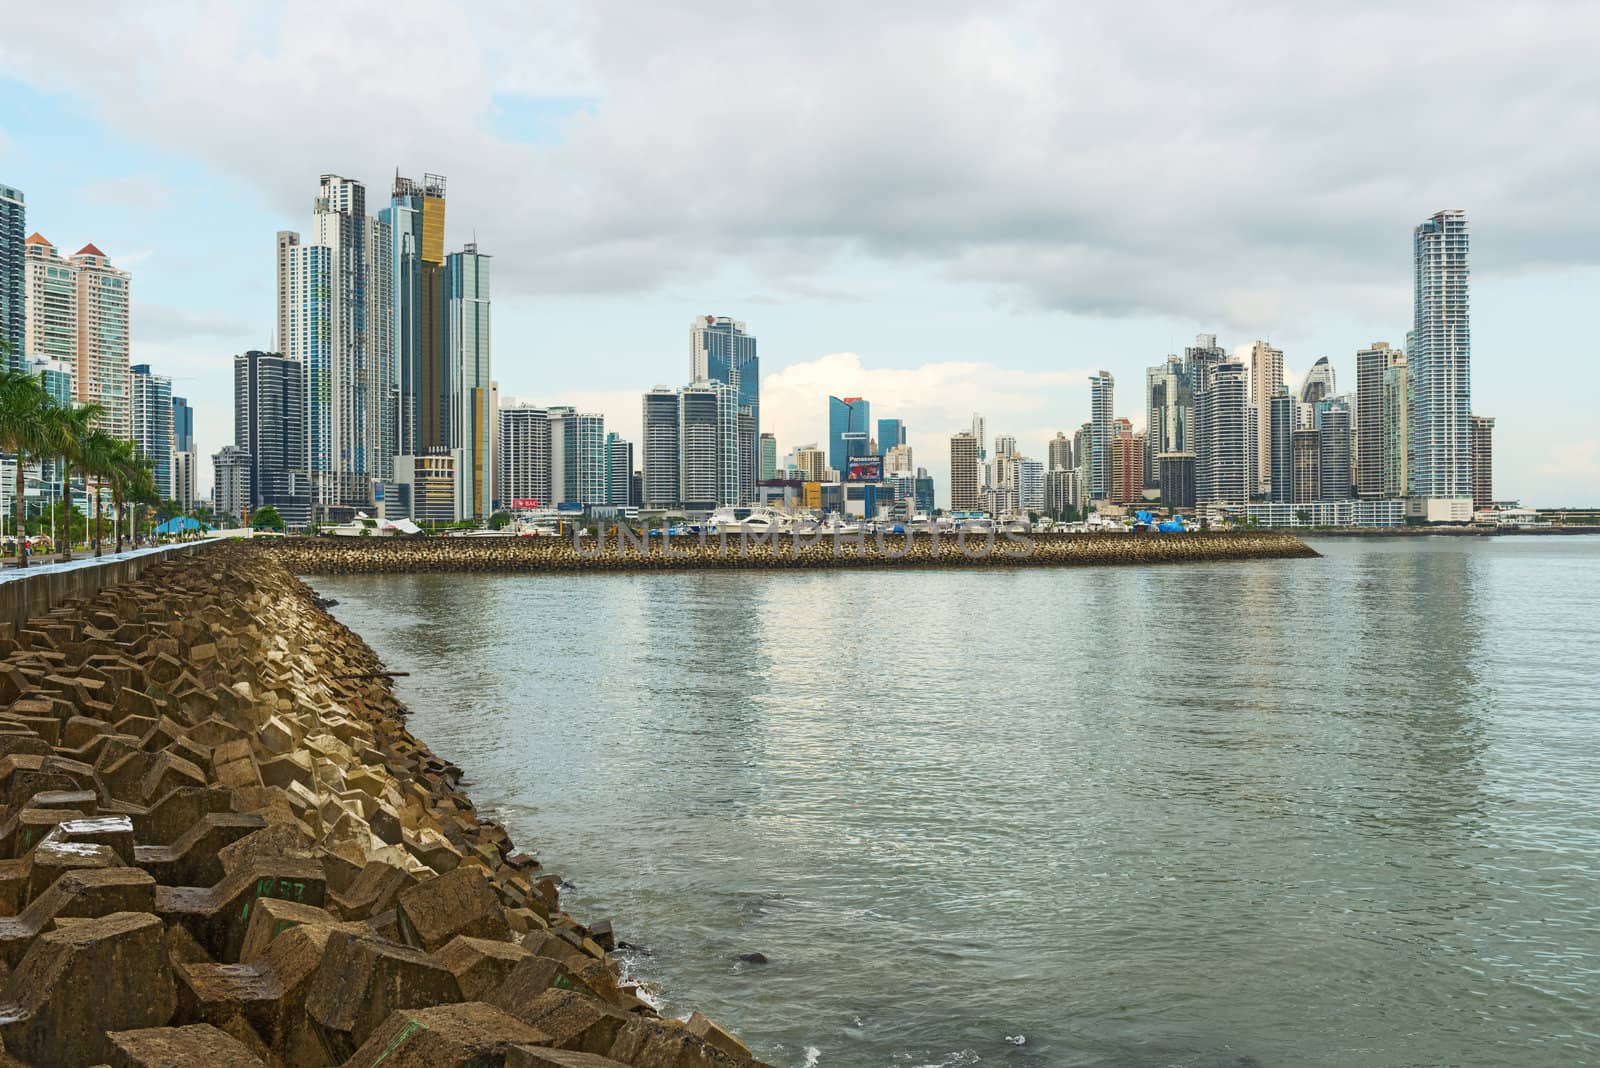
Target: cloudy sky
{"x": 942, "y": 207}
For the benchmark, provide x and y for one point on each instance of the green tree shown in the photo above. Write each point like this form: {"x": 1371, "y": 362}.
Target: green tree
{"x": 266, "y": 518}
{"x": 23, "y": 433}
{"x": 97, "y": 458}
{"x": 499, "y": 520}
{"x": 69, "y": 431}
{"x": 1303, "y": 515}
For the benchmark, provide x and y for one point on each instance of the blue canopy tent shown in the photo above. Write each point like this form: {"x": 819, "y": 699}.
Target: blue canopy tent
{"x": 182, "y": 524}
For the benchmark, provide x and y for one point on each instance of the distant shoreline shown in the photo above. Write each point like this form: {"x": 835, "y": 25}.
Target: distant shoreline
{"x": 1438, "y": 532}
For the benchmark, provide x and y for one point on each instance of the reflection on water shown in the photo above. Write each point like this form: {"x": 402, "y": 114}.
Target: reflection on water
{"x": 1328, "y": 812}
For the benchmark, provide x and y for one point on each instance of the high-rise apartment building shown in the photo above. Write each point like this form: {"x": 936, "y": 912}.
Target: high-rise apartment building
{"x": 899, "y": 461}
{"x": 658, "y": 458}
{"x": 269, "y": 429}
{"x": 468, "y": 384}
{"x": 1396, "y": 414}
{"x": 230, "y": 485}
{"x": 77, "y": 309}
{"x": 708, "y": 449}
{"x": 1307, "y": 461}
{"x": 1030, "y": 485}
{"x": 849, "y": 430}
{"x": 1177, "y": 479}
{"x": 769, "y": 456}
{"x": 1283, "y": 416}
{"x": 183, "y": 479}
{"x": 619, "y": 470}
{"x": 524, "y": 447}
{"x": 1439, "y": 361}
{"x": 577, "y": 456}
{"x": 1372, "y": 363}
{"x": 811, "y": 462}
{"x": 1169, "y": 406}
{"x": 151, "y": 416}
{"x": 965, "y": 493}
{"x": 103, "y": 339}
{"x": 1059, "y": 452}
{"x": 1482, "y": 461}
{"x": 1223, "y": 460}
{"x": 415, "y": 225}
{"x": 50, "y": 288}
{"x": 1102, "y": 419}
{"x": 1266, "y": 377}
{"x": 1127, "y": 466}
{"x": 13, "y": 274}
{"x": 336, "y": 316}
{"x": 1333, "y": 465}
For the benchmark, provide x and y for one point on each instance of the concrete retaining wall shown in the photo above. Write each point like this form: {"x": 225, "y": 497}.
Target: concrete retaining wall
{"x": 34, "y": 590}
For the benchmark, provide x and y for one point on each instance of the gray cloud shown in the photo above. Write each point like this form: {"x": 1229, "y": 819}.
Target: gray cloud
{"x": 1239, "y": 166}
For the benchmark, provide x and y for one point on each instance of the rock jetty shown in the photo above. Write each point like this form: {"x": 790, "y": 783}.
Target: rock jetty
{"x": 344, "y": 556}
{"x": 220, "y": 846}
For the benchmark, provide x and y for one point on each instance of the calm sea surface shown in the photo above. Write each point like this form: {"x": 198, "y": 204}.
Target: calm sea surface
{"x": 1316, "y": 812}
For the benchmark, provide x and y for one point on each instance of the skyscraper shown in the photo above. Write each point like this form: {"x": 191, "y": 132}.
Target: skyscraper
{"x": 722, "y": 349}
{"x": 658, "y": 460}
{"x": 524, "y": 476}
{"x": 849, "y": 430}
{"x": 577, "y": 456}
{"x": 1333, "y": 467}
{"x": 1059, "y": 452}
{"x": 150, "y": 412}
{"x": 182, "y": 425}
{"x": 1222, "y": 424}
{"x": 708, "y": 449}
{"x": 619, "y": 470}
{"x": 1266, "y": 376}
{"x": 468, "y": 379}
{"x": 1319, "y": 383}
{"x": 811, "y": 462}
{"x": 269, "y": 429}
{"x": 1169, "y": 404}
{"x": 415, "y": 220}
{"x": 1439, "y": 361}
{"x": 1030, "y": 485}
{"x": 891, "y": 432}
{"x": 230, "y": 492}
{"x": 1482, "y": 461}
{"x": 336, "y": 314}
{"x": 102, "y": 348}
{"x": 1396, "y": 464}
{"x": 1283, "y": 417}
{"x": 1307, "y": 460}
{"x": 1102, "y": 417}
{"x": 769, "y": 456}
{"x": 965, "y": 493}
{"x": 1372, "y": 363}
{"x": 50, "y": 324}
{"x": 1127, "y": 467}
{"x": 13, "y": 273}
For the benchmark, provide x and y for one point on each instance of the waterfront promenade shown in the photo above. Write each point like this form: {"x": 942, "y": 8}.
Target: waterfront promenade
{"x": 220, "y": 845}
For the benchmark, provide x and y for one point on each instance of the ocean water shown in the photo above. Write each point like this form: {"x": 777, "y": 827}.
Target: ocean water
{"x": 1342, "y": 811}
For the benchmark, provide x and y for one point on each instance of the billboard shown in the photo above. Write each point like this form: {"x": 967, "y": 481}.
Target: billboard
{"x": 524, "y": 503}
{"x": 864, "y": 469}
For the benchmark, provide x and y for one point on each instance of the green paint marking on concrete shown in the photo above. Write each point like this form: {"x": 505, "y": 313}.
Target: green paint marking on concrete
{"x": 245, "y": 915}
{"x": 411, "y": 1028}
{"x": 562, "y": 981}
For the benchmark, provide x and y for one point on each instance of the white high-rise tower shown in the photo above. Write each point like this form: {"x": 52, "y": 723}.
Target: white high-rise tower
{"x": 1439, "y": 361}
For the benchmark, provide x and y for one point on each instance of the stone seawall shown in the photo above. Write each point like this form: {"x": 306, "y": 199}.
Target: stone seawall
{"x": 344, "y": 556}
{"x": 219, "y": 845}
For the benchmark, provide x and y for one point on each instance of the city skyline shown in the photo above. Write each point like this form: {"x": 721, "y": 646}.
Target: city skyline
{"x": 1015, "y": 296}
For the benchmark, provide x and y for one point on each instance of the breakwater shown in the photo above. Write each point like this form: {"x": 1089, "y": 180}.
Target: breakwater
{"x": 220, "y": 845}
{"x": 346, "y": 556}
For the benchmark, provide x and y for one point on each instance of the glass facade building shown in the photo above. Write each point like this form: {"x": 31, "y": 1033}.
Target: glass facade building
{"x": 849, "y": 430}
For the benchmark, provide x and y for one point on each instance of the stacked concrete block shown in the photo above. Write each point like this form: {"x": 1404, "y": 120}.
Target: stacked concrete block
{"x": 220, "y": 845}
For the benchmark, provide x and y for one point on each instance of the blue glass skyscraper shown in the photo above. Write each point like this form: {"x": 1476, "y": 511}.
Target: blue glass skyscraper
{"x": 13, "y": 224}
{"x": 848, "y": 421}
{"x": 891, "y": 432}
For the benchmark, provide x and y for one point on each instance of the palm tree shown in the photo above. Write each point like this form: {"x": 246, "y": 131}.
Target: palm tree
{"x": 69, "y": 430}
{"x": 23, "y": 403}
{"x": 122, "y": 472}
{"x": 99, "y": 456}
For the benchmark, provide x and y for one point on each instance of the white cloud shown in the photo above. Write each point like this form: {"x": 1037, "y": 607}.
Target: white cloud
{"x": 1249, "y": 169}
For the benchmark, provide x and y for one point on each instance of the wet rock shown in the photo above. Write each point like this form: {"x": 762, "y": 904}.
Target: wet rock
{"x": 362, "y": 980}
{"x": 753, "y": 958}
{"x": 468, "y": 1035}
{"x": 180, "y": 1047}
{"x": 460, "y": 902}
